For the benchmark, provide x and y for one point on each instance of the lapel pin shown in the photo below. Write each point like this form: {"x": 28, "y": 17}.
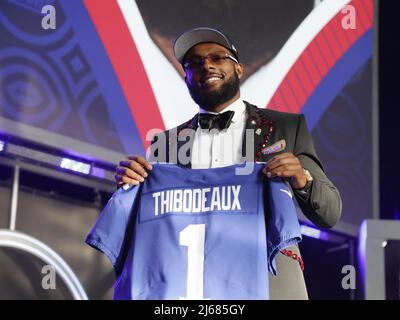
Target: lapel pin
{"x": 258, "y": 131}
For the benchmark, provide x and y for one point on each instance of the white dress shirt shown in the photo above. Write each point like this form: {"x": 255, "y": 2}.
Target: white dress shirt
{"x": 213, "y": 148}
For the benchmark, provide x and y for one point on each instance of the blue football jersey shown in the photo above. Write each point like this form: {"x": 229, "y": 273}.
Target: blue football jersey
{"x": 196, "y": 233}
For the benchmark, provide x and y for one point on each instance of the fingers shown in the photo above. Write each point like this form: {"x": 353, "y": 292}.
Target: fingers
{"x": 142, "y": 161}
{"x": 282, "y": 162}
{"x": 284, "y": 171}
{"x": 121, "y": 180}
{"x": 132, "y": 171}
{"x": 131, "y": 166}
{"x": 126, "y": 172}
{"x": 282, "y": 156}
{"x": 283, "y": 159}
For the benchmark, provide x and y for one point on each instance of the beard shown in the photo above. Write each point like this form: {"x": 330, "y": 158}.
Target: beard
{"x": 209, "y": 99}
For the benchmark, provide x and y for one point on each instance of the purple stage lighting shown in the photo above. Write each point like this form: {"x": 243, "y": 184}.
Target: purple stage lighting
{"x": 2, "y": 143}
{"x": 75, "y": 166}
{"x": 396, "y": 214}
{"x": 98, "y": 172}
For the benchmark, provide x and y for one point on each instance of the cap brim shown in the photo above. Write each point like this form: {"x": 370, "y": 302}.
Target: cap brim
{"x": 200, "y": 35}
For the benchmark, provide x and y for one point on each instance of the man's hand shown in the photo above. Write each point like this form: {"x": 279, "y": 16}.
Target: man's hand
{"x": 288, "y": 166}
{"x": 132, "y": 171}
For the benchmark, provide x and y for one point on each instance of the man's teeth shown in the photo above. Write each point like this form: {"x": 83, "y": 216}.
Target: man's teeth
{"x": 212, "y": 79}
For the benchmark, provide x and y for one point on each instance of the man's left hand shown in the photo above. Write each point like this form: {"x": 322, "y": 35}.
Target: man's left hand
{"x": 286, "y": 165}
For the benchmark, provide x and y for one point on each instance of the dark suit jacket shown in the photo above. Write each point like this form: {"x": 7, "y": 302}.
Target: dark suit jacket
{"x": 321, "y": 204}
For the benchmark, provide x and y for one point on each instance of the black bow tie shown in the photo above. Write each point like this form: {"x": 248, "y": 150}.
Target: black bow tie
{"x": 219, "y": 121}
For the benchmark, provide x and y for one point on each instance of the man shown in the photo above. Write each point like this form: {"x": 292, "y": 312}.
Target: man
{"x": 228, "y": 130}
{"x": 269, "y": 22}
{"x": 262, "y": 19}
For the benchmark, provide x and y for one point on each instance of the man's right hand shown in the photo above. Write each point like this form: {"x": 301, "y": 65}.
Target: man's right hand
{"x": 132, "y": 170}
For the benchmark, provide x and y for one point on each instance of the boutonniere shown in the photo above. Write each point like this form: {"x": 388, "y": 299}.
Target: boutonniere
{"x": 269, "y": 127}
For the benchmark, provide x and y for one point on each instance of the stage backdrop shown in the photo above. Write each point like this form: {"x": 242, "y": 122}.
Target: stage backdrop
{"x": 102, "y": 74}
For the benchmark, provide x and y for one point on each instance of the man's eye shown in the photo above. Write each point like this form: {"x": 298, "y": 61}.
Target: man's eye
{"x": 216, "y": 58}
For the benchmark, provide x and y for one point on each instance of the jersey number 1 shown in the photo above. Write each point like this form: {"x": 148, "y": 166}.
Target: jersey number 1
{"x": 193, "y": 236}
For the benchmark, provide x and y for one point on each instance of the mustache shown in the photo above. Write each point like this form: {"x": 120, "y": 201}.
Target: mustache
{"x": 209, "y": 99}
{"x": 209, "y": 75}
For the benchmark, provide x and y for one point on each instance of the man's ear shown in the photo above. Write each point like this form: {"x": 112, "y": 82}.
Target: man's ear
{"x": 239, "y": 70}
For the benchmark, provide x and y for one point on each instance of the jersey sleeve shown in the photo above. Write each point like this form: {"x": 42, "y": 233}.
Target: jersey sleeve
{"x": 108, "y": 233}
{"x": 283, "y": 228}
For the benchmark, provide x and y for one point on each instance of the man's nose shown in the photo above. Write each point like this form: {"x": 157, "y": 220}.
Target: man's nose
{"x": 207, "y": 64}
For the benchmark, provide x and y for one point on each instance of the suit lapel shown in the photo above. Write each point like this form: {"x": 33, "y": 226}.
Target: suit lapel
{"x": 260, "y": 132}
{"x": 185, "y": 137}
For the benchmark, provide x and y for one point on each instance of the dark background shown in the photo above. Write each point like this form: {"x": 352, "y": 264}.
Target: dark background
{"x": 389, "y": 113}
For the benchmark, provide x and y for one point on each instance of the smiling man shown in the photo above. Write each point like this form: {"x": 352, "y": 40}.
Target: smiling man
{"x": 209, "y": 77}
{"x": 228, "y": 130}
